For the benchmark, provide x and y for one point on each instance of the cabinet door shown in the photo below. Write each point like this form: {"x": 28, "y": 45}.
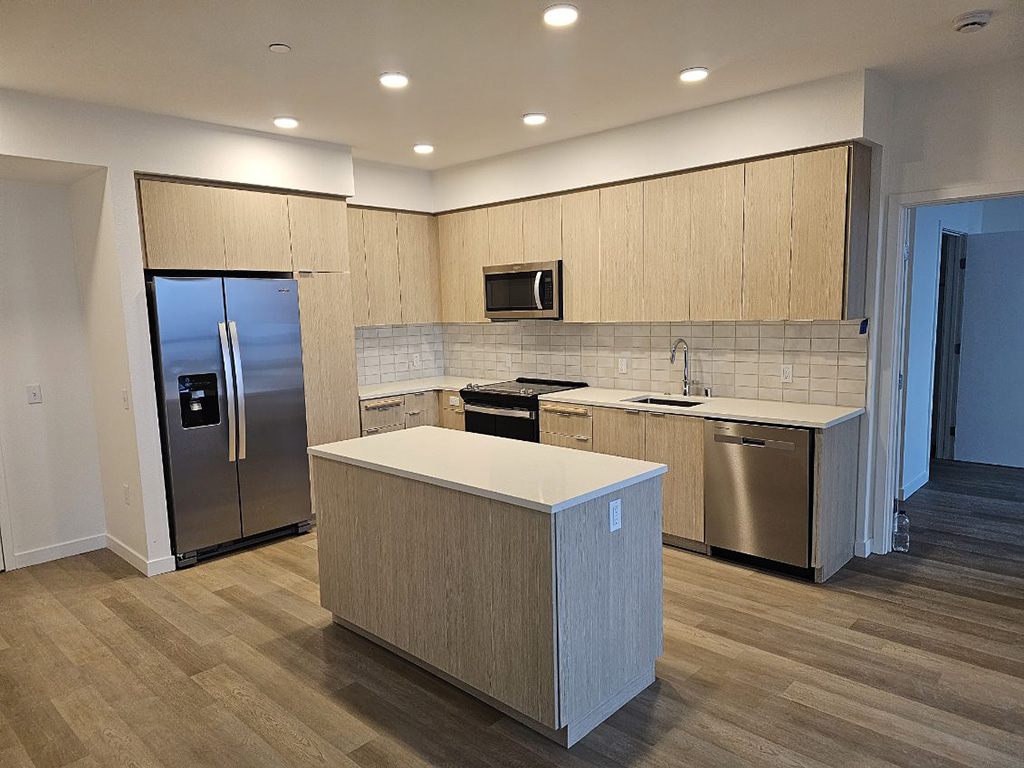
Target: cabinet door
{"x": 767, "y": 227}
{"x": 451, "y": 416}
{"x": 542, "y": 229}
{"x": 419, "y": 269}
{"x": 581, "y": 257}
{"x": 450, "y": 230}
{"x": 319, "y": 234}
{"x": 620, "y": 432}
{"x": 357, "y": 267}
{"x": 328, "y": 357}
{"x": 476, "y": 254}
{"x": 667, "y": 257}
{"x": 383, "y": 289}
{"x": 678, "y": 441}
{"x": 255, "y": 230}
{"x": 421, "y": 409}
{"x": 622, "y": 253}
{"x": 716, "y": 243}
{"x": 819, "y": 234}
{"x": 382, "y": 412}
{"x": 505, "y": 234}
{"x": 182, "y": 226}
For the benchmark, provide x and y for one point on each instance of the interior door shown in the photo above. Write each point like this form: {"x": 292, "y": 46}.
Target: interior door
{"x": 273, "y": 469}
{"x": 196, "y": 397}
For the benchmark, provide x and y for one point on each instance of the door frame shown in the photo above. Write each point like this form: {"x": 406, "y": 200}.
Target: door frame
{"x": 6, "y": 534}
{"x": 887, "y": 436}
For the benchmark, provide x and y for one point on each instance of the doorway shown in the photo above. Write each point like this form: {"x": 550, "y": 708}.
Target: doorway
{"x": 949, "y": 326}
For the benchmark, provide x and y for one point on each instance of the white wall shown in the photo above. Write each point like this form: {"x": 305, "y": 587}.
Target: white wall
{"x": 923, "y": 320}
{"x": 392, "y": 186}
{"x": 820, "y": 112}
{"x": 124, "y": 142}
{"x": 49, "y": 450}
{"x": 990, "y": 409}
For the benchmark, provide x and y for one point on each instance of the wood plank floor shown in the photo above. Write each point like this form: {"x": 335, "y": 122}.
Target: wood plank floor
{"x": 908, "y": 660}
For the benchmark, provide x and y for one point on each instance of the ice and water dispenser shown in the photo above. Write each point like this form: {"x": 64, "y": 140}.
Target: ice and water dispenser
{"x": 200, "y": 403}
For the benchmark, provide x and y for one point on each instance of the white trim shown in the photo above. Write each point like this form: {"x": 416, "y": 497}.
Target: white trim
{"x": 909, "y": 489}
{"x": 58, "y": 551}
{"x": 863, "y": 548}
{"x": 137, "y": 561}
{"x": 890, "y": 327}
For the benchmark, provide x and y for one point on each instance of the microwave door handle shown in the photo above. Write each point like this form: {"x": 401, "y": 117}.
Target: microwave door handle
{"x": 536, "y": 289}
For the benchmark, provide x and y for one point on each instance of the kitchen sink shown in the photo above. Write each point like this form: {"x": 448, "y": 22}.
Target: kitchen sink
{"x": 664, "y": 401}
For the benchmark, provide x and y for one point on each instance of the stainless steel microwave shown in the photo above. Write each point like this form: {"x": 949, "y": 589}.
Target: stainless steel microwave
{"x": 516, "y": 291}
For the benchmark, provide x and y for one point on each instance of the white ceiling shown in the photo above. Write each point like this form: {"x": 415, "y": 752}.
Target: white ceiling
{"x": 475, "y": 65}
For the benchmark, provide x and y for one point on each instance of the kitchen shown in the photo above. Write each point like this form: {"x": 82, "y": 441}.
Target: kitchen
{"x": 705, "y": 326}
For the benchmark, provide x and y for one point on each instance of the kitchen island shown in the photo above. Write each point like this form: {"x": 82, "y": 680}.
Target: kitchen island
{"x": 528, "y": 575}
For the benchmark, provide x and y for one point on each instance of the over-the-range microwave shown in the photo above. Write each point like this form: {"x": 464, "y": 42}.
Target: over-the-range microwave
{"x": 517, "y": 291}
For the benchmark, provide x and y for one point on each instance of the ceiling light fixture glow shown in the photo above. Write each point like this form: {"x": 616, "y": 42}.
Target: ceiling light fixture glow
{"x": 535, "y": 118}
{"x": 561, "y": 15}
{"x": 286, "y": 122}
{"x": 393, "y": 80}
{"x": 693, "y": 74}
{"x": 422, "y": 149}
{"x": 279, "y": 47}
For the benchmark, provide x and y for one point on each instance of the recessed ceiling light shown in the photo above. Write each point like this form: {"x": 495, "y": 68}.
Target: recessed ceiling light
{"x": 535, "y": 118}
{"x": 280, "y": 47}
{"x": 693, "y": 74}
{"x": 393, "y": 80}
{"x": 286, "y": 122}
{"x": 561, "y": 15}
{"x": 972, "y": 21}
{"x": 422, "y": 149}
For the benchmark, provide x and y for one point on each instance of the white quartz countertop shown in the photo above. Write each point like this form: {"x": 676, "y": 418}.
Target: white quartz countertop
{"x": 541, "y": 477}
{"x": 395, "y": 388}
{"x": 729, "y": 408}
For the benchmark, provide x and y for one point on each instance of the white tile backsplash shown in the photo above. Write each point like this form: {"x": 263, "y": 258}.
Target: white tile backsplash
{"x": 736, "y": 359}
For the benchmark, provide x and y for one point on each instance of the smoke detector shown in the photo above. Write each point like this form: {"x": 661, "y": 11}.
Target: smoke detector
{"x": 972, "y": 21}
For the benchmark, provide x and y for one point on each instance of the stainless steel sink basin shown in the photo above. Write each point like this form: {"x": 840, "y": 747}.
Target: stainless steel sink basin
{"x": 664, "y": 401}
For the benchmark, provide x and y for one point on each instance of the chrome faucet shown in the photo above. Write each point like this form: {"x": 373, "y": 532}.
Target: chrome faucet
{"x": 686, "y": 362}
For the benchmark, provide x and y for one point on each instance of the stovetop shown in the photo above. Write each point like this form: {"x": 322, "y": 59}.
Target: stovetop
{"x": 523, "y": 387}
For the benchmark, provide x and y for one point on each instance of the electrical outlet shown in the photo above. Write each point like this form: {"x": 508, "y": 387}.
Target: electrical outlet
{"x": 124, "y": 399}
{"x": 127, "y": 495}
{"x": 508, "y": 362}
{"x": 787, "y": 374}
{"x": 453, "y": 401}
{"x": 34, "y": 393}
{"x": 615, "y": 515}
{"x": 623, "y": 365}
{"x": 416, "y": 360}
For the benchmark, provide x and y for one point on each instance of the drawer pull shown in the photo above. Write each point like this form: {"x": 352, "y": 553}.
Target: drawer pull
{"x": 371, "y": 430}
{"x": 565, "y": 412}
{"x": 413, "y": 413}
{"x": 583, "y": 438}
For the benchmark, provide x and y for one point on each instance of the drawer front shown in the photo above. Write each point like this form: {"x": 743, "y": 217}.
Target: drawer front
{"x": 579, "y": 442}
{"x": 382, "y": 412}
{"x": 382, "y": 430}
{"x": 569, "y": 420}
{"x": 421, "y": 409}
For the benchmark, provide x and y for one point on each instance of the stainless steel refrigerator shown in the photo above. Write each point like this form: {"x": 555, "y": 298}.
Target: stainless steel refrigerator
{"x": 232, "y": 410}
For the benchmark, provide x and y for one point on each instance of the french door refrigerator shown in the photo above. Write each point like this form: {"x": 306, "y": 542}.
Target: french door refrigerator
{"x": 232, "y": 410}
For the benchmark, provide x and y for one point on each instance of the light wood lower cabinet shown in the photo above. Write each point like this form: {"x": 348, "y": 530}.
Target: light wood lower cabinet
{"x": 571, "y": 420}
{"x": 579, "y": 442}
{"x": 678, "y": 441}
{"x": 620, "y": 432}
{"x": 421, "y": 409}
{"x": 450, "y": 410}
{"x": 382, "y": 412}
{"x": 328, "y": 357}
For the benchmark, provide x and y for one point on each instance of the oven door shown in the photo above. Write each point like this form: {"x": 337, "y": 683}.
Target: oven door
{"x": 516, "y": 423}
{"x": 523, "y": 290}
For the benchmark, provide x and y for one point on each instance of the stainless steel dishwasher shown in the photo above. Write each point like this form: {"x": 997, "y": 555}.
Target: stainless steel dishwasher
{"x": 757, "y": 490}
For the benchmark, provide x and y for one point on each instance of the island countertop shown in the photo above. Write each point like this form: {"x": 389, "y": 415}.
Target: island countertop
{"x": 541, "y": 477}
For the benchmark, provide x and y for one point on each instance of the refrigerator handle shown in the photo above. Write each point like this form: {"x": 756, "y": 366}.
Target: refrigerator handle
{"x": 229, "y": 388}
{"x": 236, "y": 350}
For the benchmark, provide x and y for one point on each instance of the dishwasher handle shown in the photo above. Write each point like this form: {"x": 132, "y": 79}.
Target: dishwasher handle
{"x": 756, "y": 442}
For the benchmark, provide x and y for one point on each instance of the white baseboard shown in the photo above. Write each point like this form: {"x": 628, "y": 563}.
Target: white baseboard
{"x": 57, "y": 551}
{"x": 137, "y": 561}
{"x": 909, "y": 489}
{"x": 862, "y": 548}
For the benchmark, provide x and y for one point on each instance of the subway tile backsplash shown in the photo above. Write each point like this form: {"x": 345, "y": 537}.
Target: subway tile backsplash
{"x": 735, "y": 359}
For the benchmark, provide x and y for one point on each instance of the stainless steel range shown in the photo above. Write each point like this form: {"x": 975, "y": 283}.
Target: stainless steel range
{"x": 509, "y": 408}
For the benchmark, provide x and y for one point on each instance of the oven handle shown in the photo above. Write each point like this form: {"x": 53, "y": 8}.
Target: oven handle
{"x": 514, "y": 413}
{"x": 536, "y": 289}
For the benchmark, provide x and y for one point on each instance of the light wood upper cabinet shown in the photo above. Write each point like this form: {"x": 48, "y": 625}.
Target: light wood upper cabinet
{"x": 505, "y": 234}
{"x": 581, "y": 257}
{"x": 475, "y": 255}
{"x": 182, "y": 225}
{"x": 667, "y": 253}
{"x": 542, "y": 229}
{"x": 767, "y": 236}
{"x": 450, "y": 230}
{"x": 622, "y": 253}
{"x": 678, "y": 441}
{"x": 328, "y": 357}
{"x": 716, "y": 243}
{"x": 419, "y": 268}
{"x": 357, "y": 268}
{"x": 620, "y": 432}
{"x": 319, "y": 234}
{"x": 255, "y": 230}
{"x": 817, "y": 268}
{"x": 383, "y": 281}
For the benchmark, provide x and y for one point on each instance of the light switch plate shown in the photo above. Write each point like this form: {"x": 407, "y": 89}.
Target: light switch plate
{"x": 508, "y": 362}
{"x": 623, "y": 365}
{"x": 787, "y": 374}
{"x": 453, "y": 401}
{"x": 124, "y": 399}
{"x": 34, "y": 393}
{"x": 416, "y": 361}
{"x": 614, "y": 515}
